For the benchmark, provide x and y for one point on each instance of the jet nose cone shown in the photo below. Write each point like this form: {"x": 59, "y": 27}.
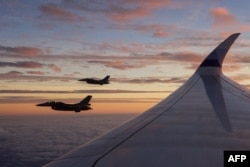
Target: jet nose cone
{"x": 84, "y": 79}
{"x": 44, "y": 104}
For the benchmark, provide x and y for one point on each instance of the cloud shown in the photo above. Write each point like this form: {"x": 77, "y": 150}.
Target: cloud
{"x": 23, "y": 50}
{"x": 134, "y": 9}
{"x": 156, "y": 30}
{"x": 33, "y": 96}
{"x": 180, "y": 56}
{"x": 22, "y": 64}
{"x": 55, "y": 137}
{"x": 36, "y": 76}
{"x": 121, "y": 65}
{"x": 53, "y": 11}
{"x": 118, "y": 46}
{"x": 30, "y": 64}
{"x": 244, "y": 78}
{"x": 11, "y": 73}
{"x": 161, "y": 34}
{"x": 127, "y": 100}
{"x": 139, "y": 61}
{"x": 35, "y": 72}
{"x": 94, "y": 91}
{"x": 54, "y": 68}
{"x": 150, "y": 80}
{"x": 225, "y": 20}
{"x": 222, "y": 17}
{"x": 122, "y": 10}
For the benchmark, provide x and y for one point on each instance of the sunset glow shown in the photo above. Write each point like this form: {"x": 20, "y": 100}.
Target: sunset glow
{"x": 149, "y": 48}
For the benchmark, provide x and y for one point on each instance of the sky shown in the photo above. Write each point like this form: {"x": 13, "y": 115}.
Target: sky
{"x": 149, "y": 48}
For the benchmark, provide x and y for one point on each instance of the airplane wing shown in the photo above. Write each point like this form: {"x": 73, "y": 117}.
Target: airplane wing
{"x": 192, "y": 127}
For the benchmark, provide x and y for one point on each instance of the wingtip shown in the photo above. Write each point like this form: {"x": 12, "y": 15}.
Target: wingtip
{"x": 216, "y": 57}
{"x": 238, "y": 33}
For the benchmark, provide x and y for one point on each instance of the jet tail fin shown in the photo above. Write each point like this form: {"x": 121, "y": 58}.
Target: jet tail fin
{"x": 216, "y": 57}
{"x": 86, "y": 100}
{"x": 106, "y": 78}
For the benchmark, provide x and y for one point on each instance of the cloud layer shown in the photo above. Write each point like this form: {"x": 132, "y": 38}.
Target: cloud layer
{"x": 30, "y": 64}
{"x": 55, "y": 137}
{"x": 22, "y": 50}
{"x": 54, "y": 12}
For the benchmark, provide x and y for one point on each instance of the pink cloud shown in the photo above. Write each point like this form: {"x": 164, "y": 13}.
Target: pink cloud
{"x": 54, "y": 67}
{"x": 161, "y": 34}
{"x": 121, "y": 47}
{"x": 36, "y": 76}
{"x": 29, "y": 64}
{"x": 55, "y": 12}
{"x": 118, "y": 46}
{"x": 150, "y": 80}
{"x": 23, "y": 50}
{"x": 13, "y": 73}
{"x": 140, "y": 61}
{"x": 222, "y": 17}
{"x": 156, "y": 30}
{"x": 21, "y": 64}
{"x": 117, "y": 64}
{"x": 134, "y": 9}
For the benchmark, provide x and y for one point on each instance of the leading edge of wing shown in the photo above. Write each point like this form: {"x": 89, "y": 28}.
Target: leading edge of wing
{"x": 91, "y": 153}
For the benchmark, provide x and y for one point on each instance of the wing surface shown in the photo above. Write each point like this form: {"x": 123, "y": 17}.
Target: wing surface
{"x": 208, "y": 114}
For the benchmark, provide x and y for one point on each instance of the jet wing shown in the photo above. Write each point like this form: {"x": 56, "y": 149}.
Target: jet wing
{"x": 192, "y": 127}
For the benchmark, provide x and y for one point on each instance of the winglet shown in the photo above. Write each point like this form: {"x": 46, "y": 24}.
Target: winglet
{"x": 216, "y": 57}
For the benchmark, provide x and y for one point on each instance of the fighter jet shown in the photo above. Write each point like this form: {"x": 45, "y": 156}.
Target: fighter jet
{"x": 96, "y": 81}
{"x": 82, "y": 105}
